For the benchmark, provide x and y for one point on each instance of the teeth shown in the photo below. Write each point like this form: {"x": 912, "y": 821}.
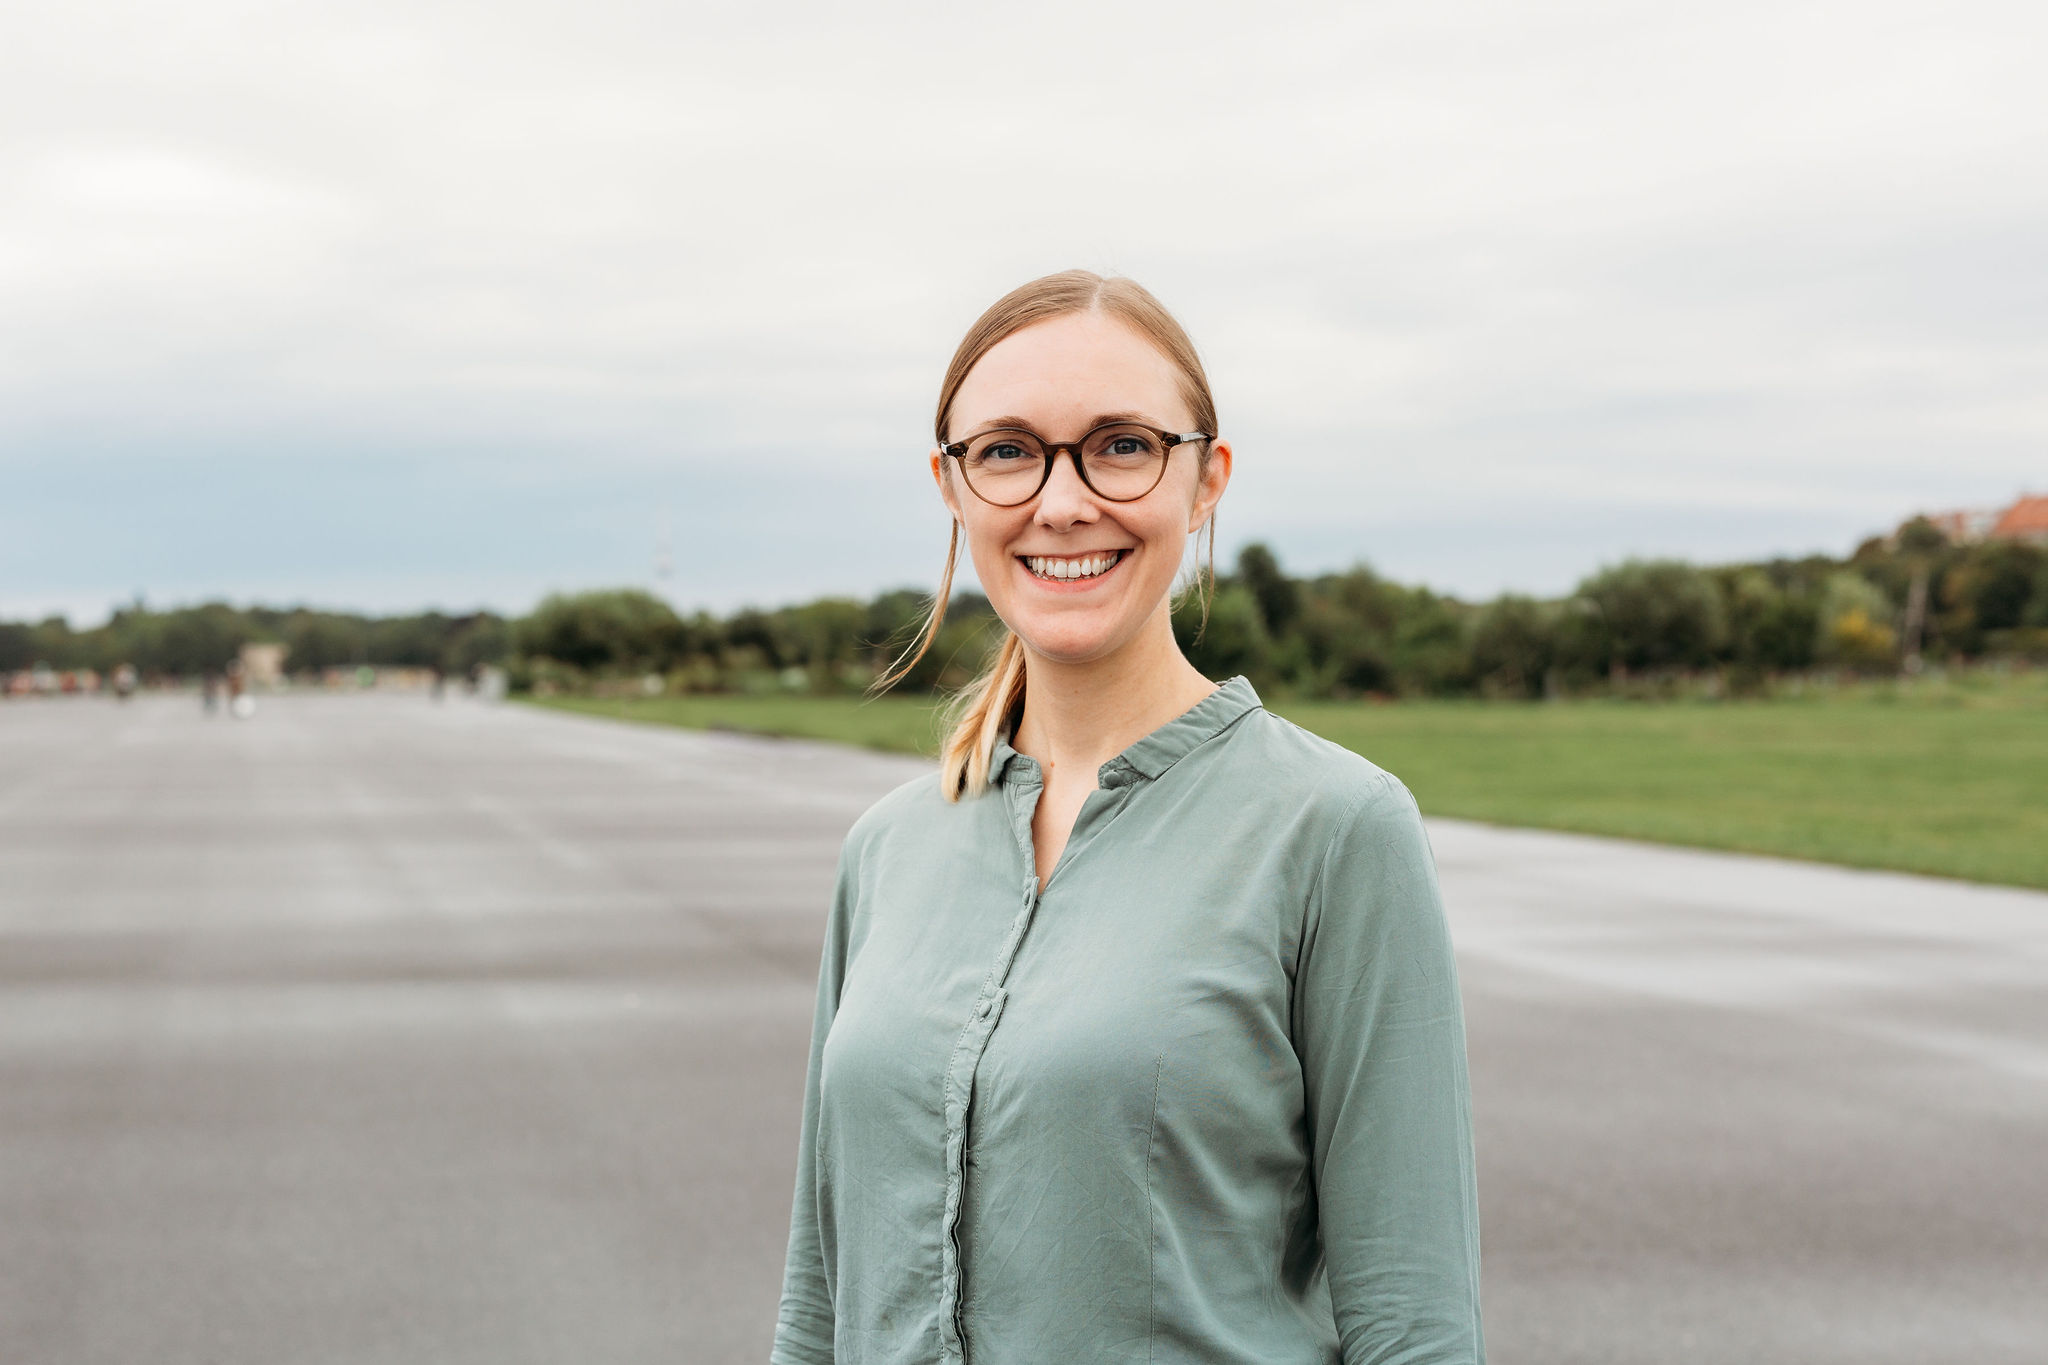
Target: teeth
{"x": 1087, "y": 566}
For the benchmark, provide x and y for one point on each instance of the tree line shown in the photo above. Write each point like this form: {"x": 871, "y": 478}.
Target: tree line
{"x": 1897, "y": 603}
{"x": 190, "y": 642}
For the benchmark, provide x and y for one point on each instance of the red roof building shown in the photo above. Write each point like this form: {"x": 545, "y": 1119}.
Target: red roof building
{"x": 2025, "y": 520}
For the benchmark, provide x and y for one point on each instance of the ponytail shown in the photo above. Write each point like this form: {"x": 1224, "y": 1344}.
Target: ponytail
{"x": 976, "y": 715}
{"x": 977, "y": 712}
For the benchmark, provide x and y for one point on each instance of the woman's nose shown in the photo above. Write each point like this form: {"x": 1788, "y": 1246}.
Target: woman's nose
{"x": 1065, "y": 499}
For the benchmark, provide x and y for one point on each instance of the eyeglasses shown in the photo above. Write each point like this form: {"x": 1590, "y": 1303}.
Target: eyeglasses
{"x": 1118, "y": 461}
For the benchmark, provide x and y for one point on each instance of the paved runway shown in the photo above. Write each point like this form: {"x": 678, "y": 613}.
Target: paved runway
{"x": 371, "y": 1029}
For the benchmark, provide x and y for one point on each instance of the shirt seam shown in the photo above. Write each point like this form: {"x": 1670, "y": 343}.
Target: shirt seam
{"x": 1225, "y": 728}
{"x": 1315, "y": 891}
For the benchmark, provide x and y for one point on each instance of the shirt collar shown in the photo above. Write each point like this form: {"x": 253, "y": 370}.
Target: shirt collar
{"x": 1156, "y": 752}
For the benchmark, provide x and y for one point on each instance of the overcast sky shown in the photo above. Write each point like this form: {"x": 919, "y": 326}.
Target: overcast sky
{"x": 448, "y": 304}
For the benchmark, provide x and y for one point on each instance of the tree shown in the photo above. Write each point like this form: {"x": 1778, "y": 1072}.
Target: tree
{"x": 623, "y": 629}
{"x": 321, "y": 640}
{"x": 1770, "y": 629}
{"x": 1235, "y": 639}
{"x": 17, "y": 647}
{"x": 1655, "y": 614}
{"x": 200, "y": 639}
{"x": 1986, "y": 588}
{"x": 1920, "y": 543}
{"x": 827, "y": 634}
{"x": 484, "y": 638}
{"x": 1346, "y": 630}
{"x": 1512, "y": 647}
{"x": 1429, "y": 651}
{"x": 1277, "y": 595}
{"x": 2037, "y": 599}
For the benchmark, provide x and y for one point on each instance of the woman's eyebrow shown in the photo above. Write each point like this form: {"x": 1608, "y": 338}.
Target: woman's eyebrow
{"x": 1021, "y": 424}
{"x": 1001, "y": 424}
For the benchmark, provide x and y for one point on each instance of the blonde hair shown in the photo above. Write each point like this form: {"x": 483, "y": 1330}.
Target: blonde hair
{"x": 979, "y": 711}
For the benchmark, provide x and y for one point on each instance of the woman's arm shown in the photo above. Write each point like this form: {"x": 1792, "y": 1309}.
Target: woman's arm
{"x": 803, "y": 1327}
{"x": 1382, "y": 1041}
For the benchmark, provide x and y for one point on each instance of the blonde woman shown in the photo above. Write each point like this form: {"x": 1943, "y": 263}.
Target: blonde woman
{"x": 1138, "y": 1034}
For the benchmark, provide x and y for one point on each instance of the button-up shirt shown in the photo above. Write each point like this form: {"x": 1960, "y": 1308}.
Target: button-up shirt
{"x": 1200, "y": 1097}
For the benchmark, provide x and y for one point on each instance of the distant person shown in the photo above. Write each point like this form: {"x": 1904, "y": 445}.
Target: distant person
{"x": 1138, "y": 1034}
{"x": 240, "y": 704}
{"x": 209, "y": 693}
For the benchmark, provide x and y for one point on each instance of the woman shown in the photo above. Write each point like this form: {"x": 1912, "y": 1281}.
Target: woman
{"x": 1138, "y": 1033}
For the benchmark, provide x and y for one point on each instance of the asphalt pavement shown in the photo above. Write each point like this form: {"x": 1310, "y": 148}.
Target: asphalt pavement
{"x": 378, "y": 1029}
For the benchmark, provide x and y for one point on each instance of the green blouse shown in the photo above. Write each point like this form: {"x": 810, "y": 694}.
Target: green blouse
{"x": 1201, "y": 1098}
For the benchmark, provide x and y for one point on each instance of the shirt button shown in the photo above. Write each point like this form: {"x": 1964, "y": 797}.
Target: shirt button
{"x": 987, "y": 1006}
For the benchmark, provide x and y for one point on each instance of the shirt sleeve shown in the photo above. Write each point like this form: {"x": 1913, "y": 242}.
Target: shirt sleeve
{"x": 1381, "y": 1036}
{"x": 803, "y": 1326}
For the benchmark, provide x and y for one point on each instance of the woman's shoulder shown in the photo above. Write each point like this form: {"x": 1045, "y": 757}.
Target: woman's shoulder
{"x": 916, "y": 807}
{"x": 1297, "y": 763}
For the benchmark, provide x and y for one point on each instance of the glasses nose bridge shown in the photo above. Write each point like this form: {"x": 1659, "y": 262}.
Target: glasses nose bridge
{"x": 1072, "y": 449}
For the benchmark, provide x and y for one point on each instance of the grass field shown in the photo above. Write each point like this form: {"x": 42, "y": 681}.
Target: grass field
{"x": 1938, "y": 778}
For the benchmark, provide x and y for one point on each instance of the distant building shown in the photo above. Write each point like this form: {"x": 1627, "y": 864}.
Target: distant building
{"x": 1965, "y": 526}
{"x": 263, "y": 665}
{"x": 2026, "y": 519}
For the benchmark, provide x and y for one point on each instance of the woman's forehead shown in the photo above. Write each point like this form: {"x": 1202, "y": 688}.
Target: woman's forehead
{"x": 1070, "y": 368}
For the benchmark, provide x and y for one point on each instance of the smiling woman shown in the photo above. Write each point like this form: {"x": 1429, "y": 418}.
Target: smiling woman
{"x": 1138, "y": 1033}
{"x": 1097, "y": 538}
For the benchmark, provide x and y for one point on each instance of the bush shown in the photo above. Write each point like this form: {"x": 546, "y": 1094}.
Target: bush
{"x": 1770, "y": 629}
{"x": 1855, "y": 624}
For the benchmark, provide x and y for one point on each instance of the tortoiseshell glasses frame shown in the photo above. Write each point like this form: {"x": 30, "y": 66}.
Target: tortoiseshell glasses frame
{"x": 1123, "y": 470}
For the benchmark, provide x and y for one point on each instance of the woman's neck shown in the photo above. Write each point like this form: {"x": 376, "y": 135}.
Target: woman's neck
{"x": 1078, "y": 716}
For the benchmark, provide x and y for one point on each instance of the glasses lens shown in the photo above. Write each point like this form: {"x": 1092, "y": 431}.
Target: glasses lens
{"x": 1004, "y": 467}
{"x": 1123, "y": 462}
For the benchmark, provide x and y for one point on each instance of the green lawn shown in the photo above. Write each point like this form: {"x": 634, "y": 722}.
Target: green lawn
{"x": 1945, "y": 780}
{"x": 899, "y": 724}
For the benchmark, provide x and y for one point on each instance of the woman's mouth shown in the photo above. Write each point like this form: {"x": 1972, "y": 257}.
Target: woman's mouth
{"x": 1072, "y": 568}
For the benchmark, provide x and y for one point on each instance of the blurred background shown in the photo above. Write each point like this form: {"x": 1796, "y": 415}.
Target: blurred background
{"x": 1640, "y": 437}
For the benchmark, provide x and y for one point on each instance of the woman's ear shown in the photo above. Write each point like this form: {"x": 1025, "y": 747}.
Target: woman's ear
{"x": 1215, "y": 477}
{"x": 946, "y": 493}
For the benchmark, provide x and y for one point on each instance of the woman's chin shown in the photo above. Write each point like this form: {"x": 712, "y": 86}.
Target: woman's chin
{"x": 1068, "y": 642}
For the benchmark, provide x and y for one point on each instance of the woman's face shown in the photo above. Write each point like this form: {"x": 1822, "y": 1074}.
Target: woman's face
{"x": 1061, "y": 378}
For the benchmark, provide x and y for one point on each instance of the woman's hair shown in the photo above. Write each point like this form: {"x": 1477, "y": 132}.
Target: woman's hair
{"x": 979, "y": 711}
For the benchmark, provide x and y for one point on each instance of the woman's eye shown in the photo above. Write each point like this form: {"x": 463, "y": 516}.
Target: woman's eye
{"x": 1126, "y": 445}
{"x": 1003, "y": 450}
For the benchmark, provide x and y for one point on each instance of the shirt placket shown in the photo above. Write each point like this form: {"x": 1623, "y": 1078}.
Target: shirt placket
{"x": 1021, "y": 791}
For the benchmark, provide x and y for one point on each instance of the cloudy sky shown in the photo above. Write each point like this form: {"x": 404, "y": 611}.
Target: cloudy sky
{"x": 391, "y": 306}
